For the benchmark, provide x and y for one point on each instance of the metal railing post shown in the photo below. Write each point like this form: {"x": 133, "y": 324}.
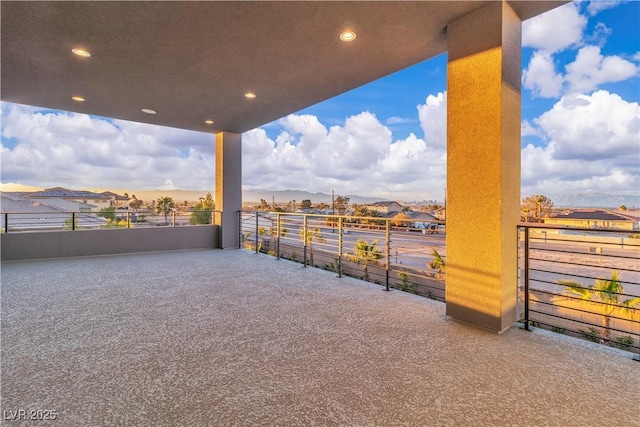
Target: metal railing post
{"x": 304, "y": 241}
{"x": 128, "y": 220}
{"x": 340, "y": 241}
{"x": 240, "y": 229}
{"x": 257, "y": 230}
{"x": 73, "y": 221}
{"x": 388, "y": 242}
{"x": 526, "y": 278}
{"x": 6, "y": 222}
{"x": 278, "y": 236}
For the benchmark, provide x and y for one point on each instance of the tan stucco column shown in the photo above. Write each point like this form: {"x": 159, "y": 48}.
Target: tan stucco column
{"x": 483, "y": 166}
{"x": 228, "y": 187}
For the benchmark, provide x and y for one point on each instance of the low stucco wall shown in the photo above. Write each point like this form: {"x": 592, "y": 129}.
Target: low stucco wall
{"x": 60, "y": 244}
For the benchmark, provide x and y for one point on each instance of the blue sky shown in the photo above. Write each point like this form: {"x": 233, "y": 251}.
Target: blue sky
{"x": 580, "y": 128}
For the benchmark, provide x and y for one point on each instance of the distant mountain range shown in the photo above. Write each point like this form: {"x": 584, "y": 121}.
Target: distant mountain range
{"x": 563, "y": 200}
{"x": 284, "y": 196}
{"x": 594, "y": 200}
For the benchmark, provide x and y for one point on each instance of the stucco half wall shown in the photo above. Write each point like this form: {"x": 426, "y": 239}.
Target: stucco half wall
{"x": 60, "y": 244}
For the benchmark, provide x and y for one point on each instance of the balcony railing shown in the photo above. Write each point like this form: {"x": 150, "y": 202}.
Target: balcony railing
{"x": 59, "y": 220}
{"x": 584, "y": 283}
{"x": 395, "y": 253}
{"x": 59, "y": 234}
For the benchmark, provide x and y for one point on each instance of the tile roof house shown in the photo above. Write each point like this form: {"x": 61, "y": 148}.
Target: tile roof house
{"x": 594, "y": 218}
{"x": 64, "y": 204}
{"x": 98, "y": 200}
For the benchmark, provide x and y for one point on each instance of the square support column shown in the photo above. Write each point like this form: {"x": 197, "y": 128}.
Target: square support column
{"x": 228, "y": 187}
{"x": 483, "y": 166}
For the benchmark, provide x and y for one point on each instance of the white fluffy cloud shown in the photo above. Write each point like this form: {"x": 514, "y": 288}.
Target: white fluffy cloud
{"x": 555, "y": 30}
{"x": 592, "y": 145}
{"x": 359, "y": 157}
{"x": 433, "y": 119}
{"x": 591, "y": 69}
{"x": 596, "y": 6}
{"x": 563, "y": 28}
{"x": 79, "y": 151}
{"x": 540, "y": 76}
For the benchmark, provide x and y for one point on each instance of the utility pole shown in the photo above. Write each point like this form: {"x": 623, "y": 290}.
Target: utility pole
{"x": 333, "y": 211}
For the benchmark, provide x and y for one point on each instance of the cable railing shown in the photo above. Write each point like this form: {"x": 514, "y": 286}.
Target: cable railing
{"x": 583, "y": 283}
{"x": 394, "y": 253}
{"x": 60, "y": 220}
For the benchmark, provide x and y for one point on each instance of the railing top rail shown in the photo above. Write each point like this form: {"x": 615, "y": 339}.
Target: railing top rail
{"x": 142, "y": 211}
{"x": 42, "y": 212}
{"x": 329, "y": 215}
{"x": 532, "y": 225}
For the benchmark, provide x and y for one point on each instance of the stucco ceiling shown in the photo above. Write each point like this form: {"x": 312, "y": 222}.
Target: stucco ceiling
{"x": 192, "y": 61}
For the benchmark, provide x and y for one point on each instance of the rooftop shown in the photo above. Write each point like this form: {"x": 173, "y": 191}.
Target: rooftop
{"x": 594, "y": 214}
{"x": 227, "y": 337}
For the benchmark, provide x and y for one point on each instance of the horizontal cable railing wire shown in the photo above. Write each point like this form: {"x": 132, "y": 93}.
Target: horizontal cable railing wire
{"x": 370, "y": 248}
{"x": 112, "y": 219}
{"x": 582, "y": 282}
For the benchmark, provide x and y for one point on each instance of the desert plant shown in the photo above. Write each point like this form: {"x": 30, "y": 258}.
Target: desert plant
{"x": 406, "y": 285}
{"x": 109, "y": 213}
{"x": 624, "y": 343}
{"x": 308, "y": 237}
{"x": 71, "y": 224}
{"x": 246, "y": 240}
{"x": 438, "y": 263}
{"x": 592, "y": 335}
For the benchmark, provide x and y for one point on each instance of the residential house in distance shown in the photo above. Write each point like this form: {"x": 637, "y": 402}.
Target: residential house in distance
{"x": 98, "y": 200}
{"x": 440, "y": 214}
{"x": 64, "y": 204}
{"x": 385, "y": 208}
{"x": 594, "y": 218}
{"x": 118, "y": 200}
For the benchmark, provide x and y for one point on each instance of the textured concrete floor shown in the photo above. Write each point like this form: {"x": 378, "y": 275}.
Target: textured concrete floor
{"x": 230, "y": 338}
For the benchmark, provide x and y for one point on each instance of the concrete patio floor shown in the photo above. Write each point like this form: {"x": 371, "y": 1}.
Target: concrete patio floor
{"x": 230, "y": 338}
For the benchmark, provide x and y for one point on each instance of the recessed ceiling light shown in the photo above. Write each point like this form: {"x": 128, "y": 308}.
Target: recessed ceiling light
{"x": 81, "y": 52}
{"x": 347, "y": 36}
{"x": 209, "y": 122}
{"x": 78, "y": 98}
{"x": 148, "y": 111}
{"x": 250, "y": 95}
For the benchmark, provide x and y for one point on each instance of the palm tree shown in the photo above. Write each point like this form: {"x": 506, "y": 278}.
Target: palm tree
{"x": 366, "y": 253}
{"x": 164, "y": 206}
{"x": 607, "y": 294}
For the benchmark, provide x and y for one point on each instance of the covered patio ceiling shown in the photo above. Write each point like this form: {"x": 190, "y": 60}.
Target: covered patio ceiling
{"x": 194, "y": 61}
